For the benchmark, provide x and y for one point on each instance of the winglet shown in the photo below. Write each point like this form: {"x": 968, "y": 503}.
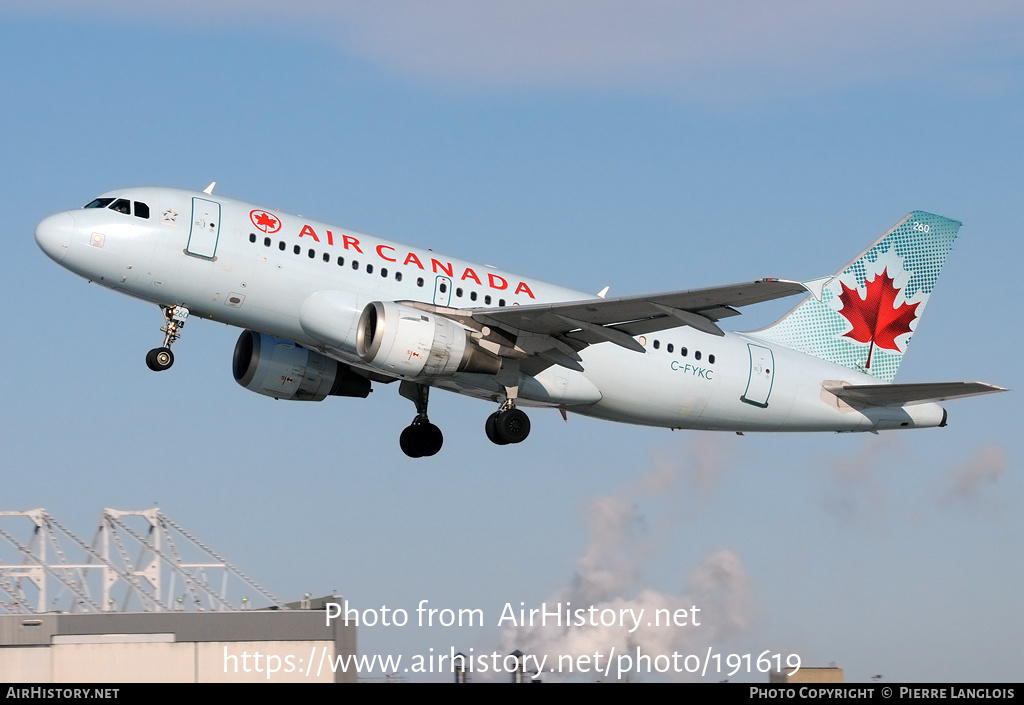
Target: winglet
{"x": 816, "y": 285}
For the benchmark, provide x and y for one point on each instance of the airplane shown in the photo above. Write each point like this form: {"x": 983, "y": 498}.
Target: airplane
{"x": 327, "y": 311}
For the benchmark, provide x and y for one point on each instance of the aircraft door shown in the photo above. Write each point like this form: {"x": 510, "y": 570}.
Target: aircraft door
{"x": 762, "y": 372}
{"x": 202, "y": 239}
{"x": 442, "y": 291}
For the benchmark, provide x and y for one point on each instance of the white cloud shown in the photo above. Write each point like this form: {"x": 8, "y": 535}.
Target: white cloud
{"x": 707, "y": 49}
{"x": 689, "y": 45}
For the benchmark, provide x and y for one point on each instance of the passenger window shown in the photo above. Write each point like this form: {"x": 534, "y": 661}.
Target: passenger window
{"x": 696, "y": 355}
{"x": 384, "y": 272}
{"x": 296, "y": 249}
{"x": 121, "y": 205}
{"x": 501, "y": 302}
{"x": 355, "y": 264}
{"x": 266, "y": 242}
{"x": 341, "y": 261}
{"x": 458, "y": 292}
{"x": 657, "y": 344}
{"x": 369, "y": 269}
{"x": 252, "y": 237}
{"x": 280, "y": 245}
{"x": 398, "y": 276}
{"x": 312, "y": 253}
{"x": 669, "y": 347}
{"x": 682, "y": 351}
{"x": 419, "y": 281}
{"x": 711, "y": 359}
{"x": 443, "y": 288}
{"x": 487, "y": 299}
{"x": 327, "y": 257}
{"x": 142, "y": 210}
{"x": 472, "y": 295}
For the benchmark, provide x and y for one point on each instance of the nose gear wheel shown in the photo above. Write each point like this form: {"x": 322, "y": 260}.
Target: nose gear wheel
{"x": 160, "y": 359}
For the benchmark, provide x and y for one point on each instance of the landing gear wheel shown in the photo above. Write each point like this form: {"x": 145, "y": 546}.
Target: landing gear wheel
{"x": 428, "y": 439}
{"x": 512, "y": 426}
{"x": 408, "y": 443}
{"x": 421, "y": 440}
{"x": 159, "y": 359}
{"x": 491, "y": 429}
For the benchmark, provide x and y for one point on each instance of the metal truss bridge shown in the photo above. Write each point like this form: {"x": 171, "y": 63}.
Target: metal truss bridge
{"x": 138, "y": 561}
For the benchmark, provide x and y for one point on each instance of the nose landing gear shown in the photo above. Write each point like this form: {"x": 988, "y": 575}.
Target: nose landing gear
{"x": 160, "y": 359}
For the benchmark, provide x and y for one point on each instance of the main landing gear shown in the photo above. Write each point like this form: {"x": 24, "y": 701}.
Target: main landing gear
{"x": 507, "y": 425}
{"x": 420, "y": 438}
{"x": 160, "y": 359}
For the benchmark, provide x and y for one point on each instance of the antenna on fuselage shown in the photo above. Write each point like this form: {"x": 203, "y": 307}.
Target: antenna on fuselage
{"x": 209, "y": 189}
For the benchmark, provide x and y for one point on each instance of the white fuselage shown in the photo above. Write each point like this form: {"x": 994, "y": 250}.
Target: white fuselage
{"x": 257, "y": 269}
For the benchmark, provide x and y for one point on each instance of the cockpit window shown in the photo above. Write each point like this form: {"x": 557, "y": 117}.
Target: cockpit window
{"x": 121, "y": 205}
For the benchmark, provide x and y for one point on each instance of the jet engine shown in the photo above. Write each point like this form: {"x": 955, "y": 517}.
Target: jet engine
{"x": 413, "y": 343}
{"x": 285, "y": 370}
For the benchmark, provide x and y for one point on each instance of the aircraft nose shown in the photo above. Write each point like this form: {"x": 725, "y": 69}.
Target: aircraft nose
{"x": 53, "y": 235}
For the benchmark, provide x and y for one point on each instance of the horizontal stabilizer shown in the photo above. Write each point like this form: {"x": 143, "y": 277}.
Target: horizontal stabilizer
{"x": 906, "y": 394}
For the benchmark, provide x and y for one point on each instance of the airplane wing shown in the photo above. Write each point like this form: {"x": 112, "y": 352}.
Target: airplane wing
{"x": 710, "y": 305}
{"x": 907, "y": 394}
{"x": 558, "y": 331}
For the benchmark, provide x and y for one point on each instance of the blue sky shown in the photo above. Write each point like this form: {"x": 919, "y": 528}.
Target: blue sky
{"x": 660, "y": 147}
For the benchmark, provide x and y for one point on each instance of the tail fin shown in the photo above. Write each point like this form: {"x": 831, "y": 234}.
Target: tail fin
{"x": 864, "y": 316}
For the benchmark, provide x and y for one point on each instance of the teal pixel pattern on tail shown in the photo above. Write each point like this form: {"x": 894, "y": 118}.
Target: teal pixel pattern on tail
{"x": 863, "y": 317}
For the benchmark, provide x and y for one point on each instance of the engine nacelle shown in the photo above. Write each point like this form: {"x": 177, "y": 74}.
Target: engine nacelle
{"x": 413, "y": 343}
{"x": 282, "y": 369}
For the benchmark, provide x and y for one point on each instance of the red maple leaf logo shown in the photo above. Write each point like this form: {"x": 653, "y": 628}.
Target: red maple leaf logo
{"x": 265, "y": 222}
{"x": 875, "y": 318}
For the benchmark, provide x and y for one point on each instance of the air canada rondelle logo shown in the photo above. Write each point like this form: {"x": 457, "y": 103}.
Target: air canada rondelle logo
{"x": 265, "y": 221}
